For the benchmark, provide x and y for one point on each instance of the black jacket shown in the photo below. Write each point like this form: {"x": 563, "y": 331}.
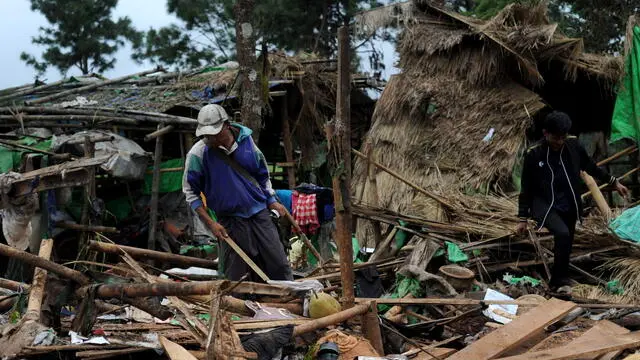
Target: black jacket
{"x": 536, "y": 196}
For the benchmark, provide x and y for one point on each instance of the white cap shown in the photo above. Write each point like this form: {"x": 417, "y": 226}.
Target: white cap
{"x": 210, "y": 120}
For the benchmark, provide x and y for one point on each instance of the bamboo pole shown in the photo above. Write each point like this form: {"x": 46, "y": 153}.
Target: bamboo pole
{"x": 304, "y": 237}
{"x": 334, "y": 319}
{"x": 375, "y": 200}
{"x": 95, "y": 139}
{"x": 32, "y": 90}
{"x": 149, "y": 116}
{"x": 93, "y": 86}
{"x": 45, "y": 264}
{"x": 13, "y": 285}
{"x": 238, "y": 306}
{"x": 160, "y": 132}
{"x": 288, "y": 146}
{"x": 597, "y": 194}
{"x": 155, "y": 193}
{"x": 87, "y": 228}
{"x": 142, "y": 254}
{"x": 89, "y": 118}
{"x": 628, "y": 151}
{"x": 36, "y": 294}
{"x": 92, "y": 112}
{"x": 341, "y": 167}
{"x": 435, "y": 197}
{"x": 25, "y": 147}
{"x": 624, "y": 176}
{"x": 136, "y": 290}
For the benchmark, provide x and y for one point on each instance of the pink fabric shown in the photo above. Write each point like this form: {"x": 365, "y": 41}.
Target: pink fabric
{"x": 305, "y": 211}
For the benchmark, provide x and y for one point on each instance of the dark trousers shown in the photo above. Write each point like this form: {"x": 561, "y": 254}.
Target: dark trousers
{"x": 259, "y": 238}
{"x": 562, "y": 225}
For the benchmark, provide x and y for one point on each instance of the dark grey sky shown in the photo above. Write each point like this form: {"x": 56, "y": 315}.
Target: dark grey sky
{"x": 18, "y": 24}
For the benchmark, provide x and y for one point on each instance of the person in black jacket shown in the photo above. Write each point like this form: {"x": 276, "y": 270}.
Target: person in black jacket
{"x": 549, "y": 192}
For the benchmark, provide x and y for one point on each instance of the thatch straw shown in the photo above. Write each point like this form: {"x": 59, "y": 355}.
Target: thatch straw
{"x": 627, "y": 271}
{"x": 367, "y": 22}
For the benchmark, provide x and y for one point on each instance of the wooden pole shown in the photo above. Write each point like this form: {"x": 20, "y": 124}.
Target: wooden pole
{"x": 340, "y": 161}
{"x": 375, "y": 200}
{"x": 13, "y": 285}
{"x": 288, "y": 146}
{"x": 371, "y": 328}
{"x": 597, "y": 194}
{"x": 142, "y": 254}
{"x": 93, "y": 86}
{"x": 336, "y": 318}
{"x": 36, "y": 294}
{"x": 89, "y": 192}
{"x": 87, "y": 228}
{"x": 155, "y": 193}
{"x": 136, "y": 290}
{"x": 160, "y": 132}
{"x": 628, "y": 151}
{"x": 33, "y": 260}
{"x": 624, "y": 176}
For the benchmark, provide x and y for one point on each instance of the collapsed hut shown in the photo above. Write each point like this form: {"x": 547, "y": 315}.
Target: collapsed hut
{"x": 467, "y": 102}
{"x": 146, "y": 121}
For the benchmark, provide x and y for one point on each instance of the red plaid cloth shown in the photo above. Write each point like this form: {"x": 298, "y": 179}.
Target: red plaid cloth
{"x": 305, "y": 212}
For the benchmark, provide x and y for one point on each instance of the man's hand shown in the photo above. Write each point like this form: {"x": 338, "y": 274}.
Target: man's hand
{"x": 279, "y": 208}
{"x": 218, "y": 230}
{"x": 621, "y": 189}
{"x": 522, "y": 227}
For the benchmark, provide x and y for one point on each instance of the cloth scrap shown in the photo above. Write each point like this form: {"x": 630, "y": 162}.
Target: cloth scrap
{"x": 305, "y": 212}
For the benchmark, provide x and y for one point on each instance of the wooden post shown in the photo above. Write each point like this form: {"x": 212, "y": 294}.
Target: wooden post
{"x": 252, "y": 101}
{"x": 375, "y": 201}
{"x": 288, "y": 146}
{"x": 371, "y": 328}
{"x": 155, "y": 189}
{"x": 36, "y": 294}
{"x": 89, "y": 192}
{"x": 340, "y": 165}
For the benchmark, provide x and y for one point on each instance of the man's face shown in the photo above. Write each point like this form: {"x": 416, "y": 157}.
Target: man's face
{"x": 556, "y": 142}
{"x": 219, "y": 139}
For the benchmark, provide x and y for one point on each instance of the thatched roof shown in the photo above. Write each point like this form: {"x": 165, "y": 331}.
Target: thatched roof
{"x": 462, "y": 77}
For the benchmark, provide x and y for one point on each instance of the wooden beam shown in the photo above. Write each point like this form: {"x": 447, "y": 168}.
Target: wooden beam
{"x": 143, "y": 254}
{"x": 515, "y": 333}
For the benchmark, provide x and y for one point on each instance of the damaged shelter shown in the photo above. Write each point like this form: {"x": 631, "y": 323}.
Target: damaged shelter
{"x": 149, "y": 117}
{"x": 468, "y": 101}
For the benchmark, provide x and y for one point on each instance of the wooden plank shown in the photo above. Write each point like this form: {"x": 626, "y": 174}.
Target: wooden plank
{"x": 175, "y": 351}
{"x": 441, "y": 353}
{"x": 516, "y": 332}
{"x": 596, "y": 346}
{"x": 602, "y": 328}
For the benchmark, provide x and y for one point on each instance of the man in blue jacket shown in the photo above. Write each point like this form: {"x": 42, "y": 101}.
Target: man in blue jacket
{"x": 550, "y": 185}
{"x": 229, "y": 169}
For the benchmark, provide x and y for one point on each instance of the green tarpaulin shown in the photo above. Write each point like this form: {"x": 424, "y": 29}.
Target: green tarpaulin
{"x": 10, "y": 157}
{"x": 626, "y": 114}
{"x": 169, "y": 181}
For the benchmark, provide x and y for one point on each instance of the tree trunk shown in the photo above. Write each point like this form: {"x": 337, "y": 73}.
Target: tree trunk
{"x": 252, "y": 101}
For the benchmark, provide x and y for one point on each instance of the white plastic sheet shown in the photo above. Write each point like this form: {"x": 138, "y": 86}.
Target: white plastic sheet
{"x": 494, "y": 311}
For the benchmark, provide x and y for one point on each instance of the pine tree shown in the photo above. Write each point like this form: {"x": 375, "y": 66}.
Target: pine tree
{"x": 81, "y": 34}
